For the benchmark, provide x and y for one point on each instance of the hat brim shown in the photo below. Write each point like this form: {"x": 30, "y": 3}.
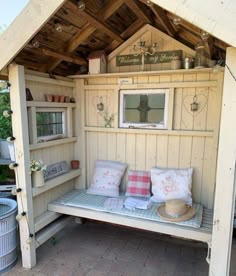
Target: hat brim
{"x": 187, "y": 216}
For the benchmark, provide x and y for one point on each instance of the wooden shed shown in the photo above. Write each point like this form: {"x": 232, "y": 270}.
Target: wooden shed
{"x": 141, "y": 42}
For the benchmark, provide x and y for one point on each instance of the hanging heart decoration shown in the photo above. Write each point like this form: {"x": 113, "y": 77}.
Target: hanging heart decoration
{"x": 200, "y": 99}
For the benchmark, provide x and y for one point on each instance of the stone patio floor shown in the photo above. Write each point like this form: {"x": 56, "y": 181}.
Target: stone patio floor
{"x": 99, "y": 249}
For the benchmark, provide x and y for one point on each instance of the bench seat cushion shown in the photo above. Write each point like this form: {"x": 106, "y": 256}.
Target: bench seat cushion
{"x": 81, "y": 199}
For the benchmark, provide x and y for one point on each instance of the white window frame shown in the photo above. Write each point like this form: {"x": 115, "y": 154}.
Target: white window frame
{"x": 124, "y": 92}
{"x": 53, "y": 110}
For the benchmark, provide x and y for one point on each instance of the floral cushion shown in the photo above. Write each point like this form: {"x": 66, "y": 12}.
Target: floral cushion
{"x": 107, "y": 178}
{"x": 138, "y": 184}
{"x": 171, "y": 184}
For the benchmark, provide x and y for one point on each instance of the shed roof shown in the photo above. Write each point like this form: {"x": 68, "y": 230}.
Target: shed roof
{"x": 57, "y": 36}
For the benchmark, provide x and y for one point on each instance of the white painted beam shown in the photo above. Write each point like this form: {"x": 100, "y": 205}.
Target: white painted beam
{"x": 22, "y": 155}
{"x": 225, "y": 178}
{"x": 217, "y": 17}
{"x": 25, "y": 26}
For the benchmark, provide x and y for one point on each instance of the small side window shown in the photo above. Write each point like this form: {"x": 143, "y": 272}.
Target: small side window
{"x": 49, "y": 123}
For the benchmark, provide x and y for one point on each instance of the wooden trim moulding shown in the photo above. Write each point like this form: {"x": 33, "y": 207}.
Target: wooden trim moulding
{"x": 151, "y": 131}
{"x": 49, "y": 104}
{"x": 190, "y": 84}
{"x": 49, "y": 81}
{"x": 52, "y": 143}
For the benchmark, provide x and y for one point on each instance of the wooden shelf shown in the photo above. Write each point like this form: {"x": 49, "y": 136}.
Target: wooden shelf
{"x": 151, "y": 131}
{"x": 51, "y": 229}
{"x": 49, "y": 104}
{"x": 56, "y": 182}
{"x": 52, "y": 143}
{"x": 44, "y": 219}
{"x": 143, "y": 73}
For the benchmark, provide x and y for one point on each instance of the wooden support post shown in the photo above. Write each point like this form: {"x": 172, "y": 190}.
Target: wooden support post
{"x": 225, "y": 178}
{"x": 21, "y": 145}
{"x": 80, "y": 145}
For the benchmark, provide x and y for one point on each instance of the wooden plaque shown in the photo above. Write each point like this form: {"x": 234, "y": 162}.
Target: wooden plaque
{"x": 158, "y": 57}
{"x": 56, "y": 170}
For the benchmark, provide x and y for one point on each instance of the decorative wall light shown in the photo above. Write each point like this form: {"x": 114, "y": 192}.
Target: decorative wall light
{"x": 7, "y": 113}
{"x": 35, "y": 43}
{"x": 11, "y": 139}
{"x": 204, "y": 35}
{"x": 149, "y": 3}
{"x": 100, "y": 105}
{"x": 176, "y": 21}
{"x": 194, "y": 104}
{"x": 20, "y": 216}
{"x": 81, "y": 5}
{"x": 4, "y": 85}
{"x": 12, "y": 166}
{"x": 143, "y": 50}
{"x": 58, "y": 27}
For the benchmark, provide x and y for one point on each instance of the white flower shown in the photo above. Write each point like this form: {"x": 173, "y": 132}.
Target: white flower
{"x": 37, "y": 165}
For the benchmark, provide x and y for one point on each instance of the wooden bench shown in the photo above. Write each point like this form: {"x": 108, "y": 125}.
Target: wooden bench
{"x": 202, "y": 234}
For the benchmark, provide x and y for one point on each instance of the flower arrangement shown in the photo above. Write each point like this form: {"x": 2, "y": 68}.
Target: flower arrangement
{"x": 108, "y": 118}
{"x": 37, "y": 165}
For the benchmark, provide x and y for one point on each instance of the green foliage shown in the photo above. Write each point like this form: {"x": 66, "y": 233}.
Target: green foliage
{"x": 4, "y": 173}
{"x": 5, "y": 123}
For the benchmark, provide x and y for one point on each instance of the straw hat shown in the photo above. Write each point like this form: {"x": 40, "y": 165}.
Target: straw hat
{"x": 176, "y": 210}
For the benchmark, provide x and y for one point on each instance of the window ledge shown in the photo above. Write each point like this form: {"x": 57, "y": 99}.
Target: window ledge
{"x": 49, "y": 104}
{"x": 52, "y": 143}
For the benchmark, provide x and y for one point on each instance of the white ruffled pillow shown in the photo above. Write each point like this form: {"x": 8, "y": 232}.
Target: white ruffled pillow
{"x": 171, "y": 184}
{"x": 107, "y": 178}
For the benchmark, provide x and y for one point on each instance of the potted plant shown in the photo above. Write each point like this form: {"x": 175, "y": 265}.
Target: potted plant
{"x": 108, "y": 118}
{"x": 37, "y": 169}
{"x": 5, "y": 124}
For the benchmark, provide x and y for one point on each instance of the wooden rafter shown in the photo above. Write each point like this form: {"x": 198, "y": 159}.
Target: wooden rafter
{"x": 162, "y": 17}
{"x": 126, "y": 34}
{"x": 95, "y": 22}
{"x": 59, "y": 55}
{"x": 135, "y": 7}
{"x": 110, "y": 8}
{"x": 75, "y": 41}
{"x": 209, "y": 47}
{"x": 84, "y": 33}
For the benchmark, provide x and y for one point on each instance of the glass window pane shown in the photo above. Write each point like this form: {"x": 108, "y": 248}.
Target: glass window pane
{"x": 49, "y": 123}
{"x": 144, "y": 108}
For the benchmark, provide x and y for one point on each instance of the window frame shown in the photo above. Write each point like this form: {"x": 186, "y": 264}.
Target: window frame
{"x": 124, "y": 92}
{"x": 53, "y": 110}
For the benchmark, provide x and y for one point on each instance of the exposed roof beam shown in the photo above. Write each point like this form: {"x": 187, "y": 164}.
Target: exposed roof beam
{"x": 3, "y": 77}
{"x": 75, "y": 41}
{"x": 209, "y": 47}
{"x": 85, "y": 32}
{"x": 163, "y": 19}
{"x": 110, "y": 8}
{"x": 62, "y": 56}
{"x": 126, "y": 34}
{"x": 191, "y": 38}
{"x": 95, "y": 22}
{"x": 36, "y": 13}
{"x": 135, "y": 7}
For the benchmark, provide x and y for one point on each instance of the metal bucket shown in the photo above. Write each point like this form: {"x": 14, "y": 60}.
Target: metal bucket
{"x": 8, "y": 241}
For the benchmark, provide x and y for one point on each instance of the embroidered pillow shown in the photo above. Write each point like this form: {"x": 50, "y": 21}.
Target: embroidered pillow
{"x": 138, "y": 184}
{"x": 171, "y": 184}
{"x": 106, "y": 178}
